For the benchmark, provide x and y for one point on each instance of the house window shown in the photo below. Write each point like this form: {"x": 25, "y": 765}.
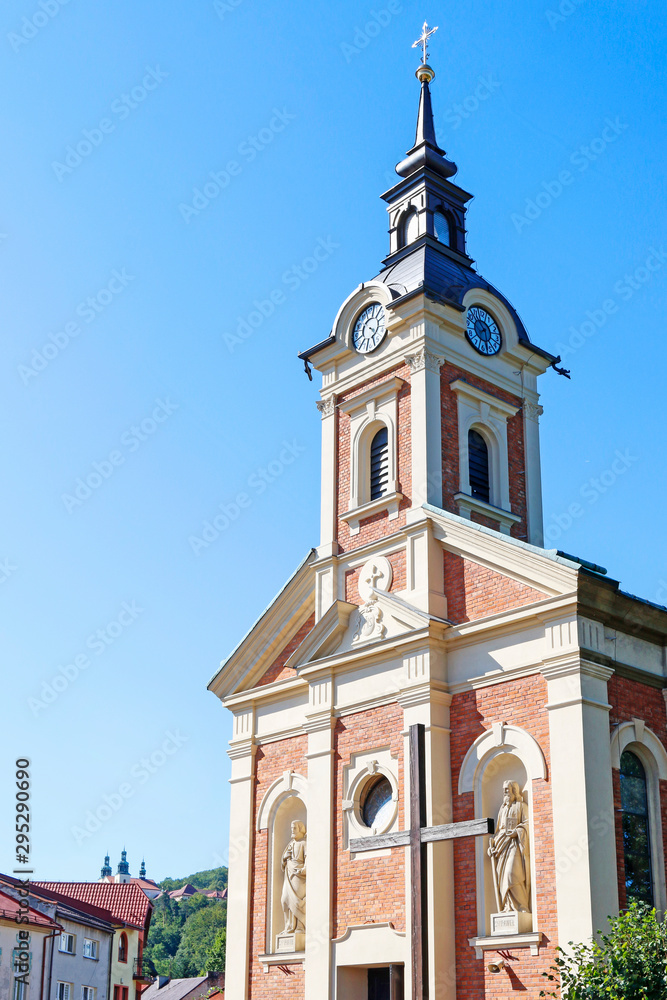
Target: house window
{"x": 379, "y": 464}
{"x": 636, "y": 837}
{"x": 64, "y": 991}
{"x": 120, "y": 992}
{"x": 478, "y": 466}
{"x": 87, "y": 993}
{"x": 441, "y": 228}
{"x": 67, "y": 943}
{"x": 89, "y": 948}
{"x": 122, "y": 948}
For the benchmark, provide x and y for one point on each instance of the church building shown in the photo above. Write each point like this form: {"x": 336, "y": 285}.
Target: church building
{"x": 448, "y": 751}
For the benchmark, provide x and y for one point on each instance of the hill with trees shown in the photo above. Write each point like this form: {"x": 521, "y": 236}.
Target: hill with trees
{"x": 187, "y": 938}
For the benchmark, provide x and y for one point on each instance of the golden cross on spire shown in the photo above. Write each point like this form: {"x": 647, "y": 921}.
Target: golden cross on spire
{"x": 423, "y": 41}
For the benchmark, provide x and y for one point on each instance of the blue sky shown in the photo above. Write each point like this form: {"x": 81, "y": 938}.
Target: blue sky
{"x": 124, "y": 293}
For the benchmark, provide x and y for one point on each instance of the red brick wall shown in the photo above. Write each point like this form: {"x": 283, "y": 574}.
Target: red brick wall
{"x": 397, "y": 560}
{"x": 368, "y": 890}
{"x": 474, "y": 591}
{"x": 634, "y": 700}
{"x": 450, "y": 447}
{"x": 270, "y": 762}
{"x": 277, "y": 671}
{"x": 379, "y": 525}
{"x": 521, "y": 702}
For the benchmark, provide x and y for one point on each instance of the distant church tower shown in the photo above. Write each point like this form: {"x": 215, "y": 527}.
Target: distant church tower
{"x": 123, "y": 871}
{"x": 430, "y": 666}
{"x": 106, "y": 871}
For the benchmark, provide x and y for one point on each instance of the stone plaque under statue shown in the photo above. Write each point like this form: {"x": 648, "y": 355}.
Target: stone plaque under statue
{"x": 509, "y": 851}
{"x": 293, "y": 897}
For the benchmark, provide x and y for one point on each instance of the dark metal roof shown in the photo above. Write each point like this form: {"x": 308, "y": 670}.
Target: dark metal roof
{"x": 426, "y": 268}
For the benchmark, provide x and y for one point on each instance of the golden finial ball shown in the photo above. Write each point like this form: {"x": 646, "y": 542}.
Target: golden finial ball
{"x": 425, "y": 73}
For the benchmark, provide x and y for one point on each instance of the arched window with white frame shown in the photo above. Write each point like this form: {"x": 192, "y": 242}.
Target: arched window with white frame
{"x": 479, "y": 466}
{"x": 641, "y": 760}
{"x": 636, "y": 829}
{"x": 379, "y": 464}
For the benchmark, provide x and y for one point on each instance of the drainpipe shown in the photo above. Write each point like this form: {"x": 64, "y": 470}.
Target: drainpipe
{"x": 47, "y": 937}
{"x": 111, "y": 938}
{"x": 53, "y": 948}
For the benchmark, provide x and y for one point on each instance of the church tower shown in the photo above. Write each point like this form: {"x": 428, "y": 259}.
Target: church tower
{"x": 436, "y": 721}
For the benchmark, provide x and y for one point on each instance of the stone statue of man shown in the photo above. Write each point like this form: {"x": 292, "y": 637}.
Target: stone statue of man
{"x": 509, "y": 852}
{"x": 293, "y": 864}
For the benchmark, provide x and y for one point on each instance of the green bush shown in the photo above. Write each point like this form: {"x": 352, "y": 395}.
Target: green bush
{"x": 628, "y": 963}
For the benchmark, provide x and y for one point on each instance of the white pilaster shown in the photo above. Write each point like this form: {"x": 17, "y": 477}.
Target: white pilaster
{"x": 425, "y": 701}
{"x": 425, "y": 583}
{"x": 319, "y": 726}
{"x": 242, "y": 753}
{"x": 425, "y": 420}
{"x": 533, "y": 469}
{"x": 327, "y": 408}
{"x": 582, "y": 791}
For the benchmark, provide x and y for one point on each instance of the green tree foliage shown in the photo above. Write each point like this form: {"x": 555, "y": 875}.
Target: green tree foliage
{"x": 629, "y": 963}
{"x": 187, "y": 938}
{"x": 215, "y": 878}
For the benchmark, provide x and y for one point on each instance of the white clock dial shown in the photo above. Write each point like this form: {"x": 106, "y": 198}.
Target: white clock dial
{"x": 370, "y": 329}
{"x": 482, "y": 331}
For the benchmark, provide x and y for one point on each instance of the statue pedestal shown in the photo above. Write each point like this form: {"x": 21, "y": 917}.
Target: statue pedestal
{"x": 511, "y": 922}
{"x": 291, "y": 941}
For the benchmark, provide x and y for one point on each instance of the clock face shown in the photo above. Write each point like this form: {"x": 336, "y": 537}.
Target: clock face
{"x": 369, "y": 330}
{"x": 482, "y": 331}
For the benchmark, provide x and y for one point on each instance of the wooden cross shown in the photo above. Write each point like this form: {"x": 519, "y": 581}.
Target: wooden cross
{"x": 416, "y": 838}
{"x": 423, "y": 41}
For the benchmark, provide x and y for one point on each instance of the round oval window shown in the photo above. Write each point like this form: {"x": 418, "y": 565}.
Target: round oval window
{"x": 377, "y": 805}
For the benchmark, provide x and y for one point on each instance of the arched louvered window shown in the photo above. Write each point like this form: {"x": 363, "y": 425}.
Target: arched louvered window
{"x": 409, "y": 228}
{"x": 636, "y": 835}
{"x": 441, "y": 228}
{"x": 379, "y": 464}
{"x": 478, "y": 466}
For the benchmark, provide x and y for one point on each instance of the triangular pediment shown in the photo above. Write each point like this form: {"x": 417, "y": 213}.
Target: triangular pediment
{"x": 269, "y": 644}
{"x": 349, "y": 627}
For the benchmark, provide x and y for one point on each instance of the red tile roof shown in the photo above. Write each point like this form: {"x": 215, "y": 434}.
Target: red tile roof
{"x": 57, "y": 897}
{"x": 125, "y": 902}
{"x": 9, "y": 908}
{"x": 145, "y": 883}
